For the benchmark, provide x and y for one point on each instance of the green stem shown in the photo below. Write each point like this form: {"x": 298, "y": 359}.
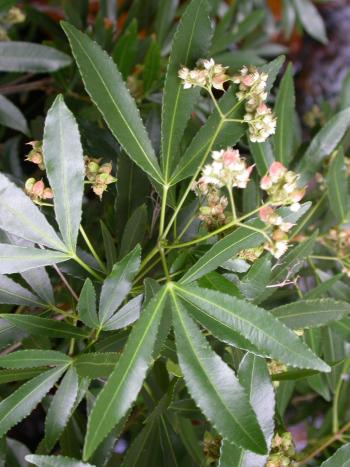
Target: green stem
{"x": 210, "y": 92}
{"x": 87, "y": 267}
{"x": 92, "y": 249}
{"x": 232, "y": 203}
{"x": 163, "y": 210}
{"x": 255, "y": 229}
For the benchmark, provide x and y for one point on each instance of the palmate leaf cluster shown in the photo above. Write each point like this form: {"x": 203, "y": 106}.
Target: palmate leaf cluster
{"x": 168, "y": 339}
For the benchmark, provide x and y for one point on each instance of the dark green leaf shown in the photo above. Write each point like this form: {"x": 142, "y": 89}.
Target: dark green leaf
{"x": 151, "y": 66}
{"x": 11, "y": 116}
{"x": 284, "y": 110}
{"x": 21, "y": 402}
{"x": 213, "y": 385}
{"x": 118, "y": 284}
{"x": 125, "y": 382}
{"x": 104, "y": 83}
{"x": 125, "y": 51}
{"x": 190, "y": 43}
{"x": 257, "y": 325}
{"x": 311, "y": 313}
{"x": 109, "y": 246}
{"x": 28, "y": 57}
{"x": 63, "y": 155}
{"x": 134, "y": 230}
{"x": 44, "y": 326}
{"x": 338, "y": 186}
{"x": 33, "y": 359}
{"x": 96, "y": 365}
{"x": 10, "y": 376}
{"x": 263, "y": 156}
{"x": 87, "y": 305}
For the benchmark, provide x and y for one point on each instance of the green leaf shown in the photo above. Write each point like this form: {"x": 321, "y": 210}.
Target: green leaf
{"x": 15, "y": 258}
{"x": 109, "y": 246}
{"x": 323, "y": 144}
{"x": 165, "y": 15}
{"x": 213, "y": 135}
{"x": 44, "y": 326}
{"x": 96, "y": 365}
{"x": 125, "y": 51}
{"x": 55, "y": 461}
{"x": 21, "y": 402}
{"x": 61, "y": 408}
{"x": 134, "y": 230}
{"x": 191, "y": 42}
{"x": 257, "y": 325}
{"x": 12, "y": 117}
{"x": 20, "y": 216}
{"x": 33, "y": 358}
{"x": 125, "y": 382}
{"x": 284, "y": 110}
{"x": 337, "y": 183}
{"x": 272, "y": 69}
{"x": 14, "y": 294}
{"x": 11, "y": 376}
{"x": 151, "y": 65}
{"x": 32, "y": 58}
{"x": 263, "y": 155}
{"x": 224, "y": 250}
{"x": 311, "y": 20}
{"x": 213, "y": 385}
{"x": 254, "y": 377}
{"x": 87, "y": 305}
{"x": 63, "y": 155}
{"x": 118, "y": 284}
{"x": 104, "y": 83}
{"x": 341, "y": 458}
{"x": 255, "y": 281}
{"x": 39, "y": 281}
{"x": 125, "y": 316}
{"x": 311, "y": 313}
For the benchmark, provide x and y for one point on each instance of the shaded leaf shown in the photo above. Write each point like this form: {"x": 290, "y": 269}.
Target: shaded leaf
{"x": 11, "y": 116}
{"x": 14, "y": 294}
{"x": 87, "y": 305}
{"x": 263, "y": 155}
{"x": 96, "y": 365}
{"x": 33, "y": 358}
{"x": 55, "y": 461}
{"x": 311, "y": 19}
{"x": 63, "y": 155}
{"x": 338, "y": 186}
{"x": 134, "y": 230}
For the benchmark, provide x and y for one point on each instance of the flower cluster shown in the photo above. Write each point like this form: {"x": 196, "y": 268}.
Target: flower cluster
{"x": 227, "y": 169}
{"x": 37, "y": 191}
{"x": 282, "y": 450}
{"x": 98, "y": 175}
{"x": 207, "y": 74}
{"x": 213, "y": 214}
{"x": 281, "y": 187}
{"x": 252, "y": 89}
{"x": 36, "y": 154}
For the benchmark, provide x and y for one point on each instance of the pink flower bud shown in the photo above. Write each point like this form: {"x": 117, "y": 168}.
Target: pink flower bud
{"x": 298, "y": 195}
{"x": 276, "y": 171}
{"x": 248, "y": 80}
{"x": 48, "y": 193}
{"x": 38, "y": 188}
{"x": 265, "y": 213}
{"x": 265, "y": 182}
{"x": 230, "y": 156}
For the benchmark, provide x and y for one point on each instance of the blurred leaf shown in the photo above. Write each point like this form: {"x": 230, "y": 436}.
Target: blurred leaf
{"x": 65, "y": 169}
{"x": 33, "y": 58}
{"x": 272, "y": 69}
{"x": 55, "y": 461}
{"x": 125, "y": 50}
{"x": 134, "y": 230}
{"x": 190, "y": 43}
{"x": 104, "y": 83}
{"x": 44, "y": 326}
{"x": 12, "y": 117}
{"x": 284, "y": 111}
{"x": 151, "y": 69}
{"x": 341, "y": 458}
{"x": 125, "y": 382}
{"x": 213, "y": 385}
{"x": 21, "y": 402}
{"x": 15, "y": 258}
{"x": 109, "y": 246}
{"x": 165, "y": 15}
{"x": 337, "y": 183}
{"x": 61, "y": 408}
{"x": 311, "y": 20}
{"x": 118, "y": 284}
{"x": 33, "y": 358}
{"x": 263, "y": 156}
{"x": 344, "y": 98}
{"x": 311, "y": 313}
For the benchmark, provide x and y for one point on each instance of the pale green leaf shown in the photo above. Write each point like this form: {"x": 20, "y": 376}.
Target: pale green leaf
{"x": 105, "y": 85}
{"x": 213, "y": 385}
{"x": 55, "y": 461}
{"x": 29, "y": 57}
{"x": 125, "y": 382}
{"x": 33, "y": 358}
{"x": 20, "y": 216}
{"x": 257, "y": 325}
{"x": 21, "y": 402}
{"x": 311, "y": 19}
{"x": 341, "y": 458}
{"x": 125, "y": 316}
{"x": 61, "y": 408}
{"x": 63, "y": 155}
{"x": 191, "y": 42}
{"x": 14, "y": 294}
{"x": 118, "y": 284}
{"x": 311, "y": 313}
{"x": 11, "y": 116}
{"x": 15, "y": 258}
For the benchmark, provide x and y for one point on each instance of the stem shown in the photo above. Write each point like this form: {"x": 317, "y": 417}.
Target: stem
{"x": 65, "y": 282}
{"x": 87, "y": 267}
{"x": 255, "y": 229}
{"x": 232, "y": 202}
{"x": 163, "y": 210}
{"x": 92, "y": 249}
{"x": 165, "y": 265}
{"x": 210, "y": 92}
